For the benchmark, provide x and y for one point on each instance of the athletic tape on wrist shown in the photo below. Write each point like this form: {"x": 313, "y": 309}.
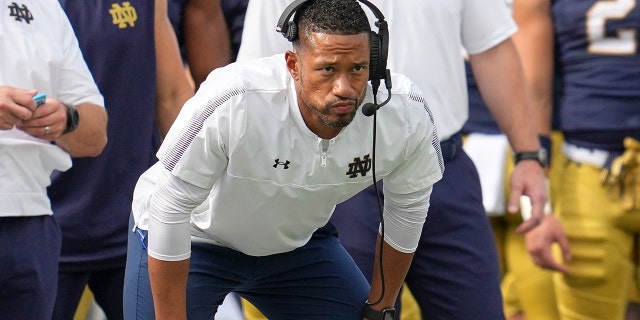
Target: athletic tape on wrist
{"x": 526, "y": 208}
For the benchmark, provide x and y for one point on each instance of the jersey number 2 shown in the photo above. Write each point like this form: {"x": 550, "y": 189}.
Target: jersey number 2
{"x": 624, "y": 42}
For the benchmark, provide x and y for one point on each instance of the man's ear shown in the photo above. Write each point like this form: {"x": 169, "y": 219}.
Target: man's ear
{"x": 293, "y": 64}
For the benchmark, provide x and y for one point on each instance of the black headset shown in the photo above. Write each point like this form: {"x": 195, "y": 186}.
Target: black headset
{"x": 379, "y": 48}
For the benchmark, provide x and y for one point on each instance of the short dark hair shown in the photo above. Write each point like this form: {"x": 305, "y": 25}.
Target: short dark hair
{"x": 338, "y": 17}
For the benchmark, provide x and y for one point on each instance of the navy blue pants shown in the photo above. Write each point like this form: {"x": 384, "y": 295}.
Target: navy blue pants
{"x": 29, "y": 253}
{"x": 317, "y": 281}
{"x": 455, "y": 274}
{"x": 106, "y": 286}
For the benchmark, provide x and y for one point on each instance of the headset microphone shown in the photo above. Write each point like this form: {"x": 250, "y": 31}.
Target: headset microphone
{"x": 368, "y": 109}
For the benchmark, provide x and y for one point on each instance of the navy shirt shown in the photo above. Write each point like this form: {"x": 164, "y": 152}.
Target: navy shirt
{"x": 92, "y": 200}
{"x": 233, "y": 10}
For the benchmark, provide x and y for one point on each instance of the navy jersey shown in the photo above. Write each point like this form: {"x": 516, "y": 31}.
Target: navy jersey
{"x": 233, "y": 10}
{"x": 174, "y": 10}
{"x": 92, "y": 200}
{"x": 597, "y": 48}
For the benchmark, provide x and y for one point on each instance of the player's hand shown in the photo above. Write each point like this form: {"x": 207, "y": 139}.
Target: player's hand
{"x": 539, "y": 243}
{"x": 16, "y": 105}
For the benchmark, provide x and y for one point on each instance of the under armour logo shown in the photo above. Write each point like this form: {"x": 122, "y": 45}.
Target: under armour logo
{"x": 285, "y": 164}
{"x": 359, "y": 166}
{"x": 20, "y": 13}
{"x": 123, "y": 15}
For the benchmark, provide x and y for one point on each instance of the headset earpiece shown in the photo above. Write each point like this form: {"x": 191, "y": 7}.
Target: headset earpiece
{"x": 374, "y": 56}
{"x": 292, "y": 31}
{"x": 379, "y": 49}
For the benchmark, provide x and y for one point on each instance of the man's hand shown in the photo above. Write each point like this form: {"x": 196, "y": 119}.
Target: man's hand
{"x": 528, "y": 178}
{"x": 16, "y": 105}
{"x": 540, "y": 240}
{"x": 47, "y": 122}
